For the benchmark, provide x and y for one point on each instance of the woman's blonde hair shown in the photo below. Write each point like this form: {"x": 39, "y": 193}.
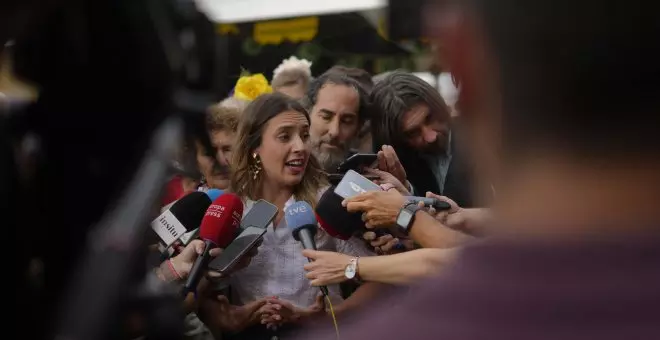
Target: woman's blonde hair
{"x": 251, "y": 126}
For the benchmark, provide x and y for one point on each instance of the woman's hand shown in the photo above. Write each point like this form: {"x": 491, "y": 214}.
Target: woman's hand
{"x": 277, "y": 312}
{"x": 326, "y": 268}
{"x": 178, "y": 267}
{"x": 386, "y": 177}
{"x": 230, "y": 318}
{"x": 380, "y": 208}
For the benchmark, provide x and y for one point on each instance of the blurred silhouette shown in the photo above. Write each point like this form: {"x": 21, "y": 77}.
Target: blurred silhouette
{"x": 119, "y": 83}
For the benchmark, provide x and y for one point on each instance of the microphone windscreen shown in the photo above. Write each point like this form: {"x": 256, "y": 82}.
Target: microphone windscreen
{"x": 300, "y": 215}
{"x": 334, "y": 218}
{"x": 190, "y": 209}
{"x": 214, "y": 193}
{"x": 221, "y": 220}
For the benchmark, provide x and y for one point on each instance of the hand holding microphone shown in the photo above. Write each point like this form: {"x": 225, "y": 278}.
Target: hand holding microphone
{"x": 379, "y": 208}
{"x": 218, "y": 229}
{"x": 179, "y": 267}
{"x": 326, "y": 267}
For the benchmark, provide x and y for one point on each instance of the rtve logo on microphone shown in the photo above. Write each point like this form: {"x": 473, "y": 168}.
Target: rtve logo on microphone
{"x": 215, "y": 210}
{"x": 296, "y": 210}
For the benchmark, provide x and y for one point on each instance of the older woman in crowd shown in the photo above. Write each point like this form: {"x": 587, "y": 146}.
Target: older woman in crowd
{"x": 292, "y": 77}
{"x": 272, "y": 161}
{"x": 203, "y": 167}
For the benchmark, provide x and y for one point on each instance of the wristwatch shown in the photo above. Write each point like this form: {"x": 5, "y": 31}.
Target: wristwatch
{"x": 406, "y": 216}
{"x": 351, "y": 270}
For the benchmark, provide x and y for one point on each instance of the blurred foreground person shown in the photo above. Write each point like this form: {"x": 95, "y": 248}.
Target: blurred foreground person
{"x": 577, "y": 244}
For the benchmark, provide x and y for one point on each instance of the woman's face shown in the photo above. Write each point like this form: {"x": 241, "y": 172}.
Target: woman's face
{"x": 285, "y": 149}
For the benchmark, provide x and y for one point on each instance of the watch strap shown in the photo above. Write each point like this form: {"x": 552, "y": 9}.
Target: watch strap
{"x": 356, "y": 262}
{"x": 411, "y": 208}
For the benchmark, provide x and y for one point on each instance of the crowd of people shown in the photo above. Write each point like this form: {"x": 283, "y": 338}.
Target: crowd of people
{"x": 279, "y": 144}
{"x": 536, "y": 203}
{"x": 550, "y": 174}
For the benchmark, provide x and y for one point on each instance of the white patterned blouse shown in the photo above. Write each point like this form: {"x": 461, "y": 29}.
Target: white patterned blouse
{"x": 277, "y": 270}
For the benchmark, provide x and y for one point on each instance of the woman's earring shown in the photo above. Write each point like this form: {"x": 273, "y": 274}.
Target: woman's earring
{"x": 256, "y": 165}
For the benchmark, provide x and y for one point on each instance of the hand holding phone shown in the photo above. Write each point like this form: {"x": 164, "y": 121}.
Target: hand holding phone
{"x": 354, "y": 184}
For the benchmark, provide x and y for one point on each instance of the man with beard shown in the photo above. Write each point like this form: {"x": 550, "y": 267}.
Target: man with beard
{"x": 338, "y": 107}
{"x": 411, "y": 117}
{"x": 363, "y": 141}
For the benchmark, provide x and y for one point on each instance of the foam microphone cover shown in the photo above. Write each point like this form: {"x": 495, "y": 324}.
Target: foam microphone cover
{"x": 300, "y": 215}
{"x": 334, "y": 218}
{"x": 221, "y": 220}
{"x": 190, "y": 209}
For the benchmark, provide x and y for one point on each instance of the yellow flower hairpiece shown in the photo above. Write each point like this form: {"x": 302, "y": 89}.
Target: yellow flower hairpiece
{"x": 252, "y": 86}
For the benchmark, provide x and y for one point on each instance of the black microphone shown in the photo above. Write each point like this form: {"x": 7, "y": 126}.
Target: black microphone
{"x": 183, "y": 216}
{"x": 302, "y": 222}
{"x": 334, "y": 218}
{"x": 430, "y": 202}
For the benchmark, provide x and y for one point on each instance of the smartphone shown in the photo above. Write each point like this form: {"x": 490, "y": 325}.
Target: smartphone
{"x": 334, "y": 179}
{"x": 247, "y": 239}
{"x": 261, "y": 215}
{"x": 354, "y": 184}
{"x": 357, "y": 162}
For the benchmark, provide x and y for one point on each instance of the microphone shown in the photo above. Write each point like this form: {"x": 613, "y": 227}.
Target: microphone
{"x": 214, "y": 194}
{"x": 192, "y": 231}
{"x": 339, "y": 223}
{"x": 218, "y": 229}
{"x": 430, "y": 202}
{"x": 334, "y": 218}
{"x": 183, "y": 216}
{"x": 301, "y": 220}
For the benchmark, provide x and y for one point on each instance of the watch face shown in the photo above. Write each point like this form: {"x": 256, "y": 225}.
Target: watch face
{"x": 404, "y": 218}
{"x": 349, "y": 272}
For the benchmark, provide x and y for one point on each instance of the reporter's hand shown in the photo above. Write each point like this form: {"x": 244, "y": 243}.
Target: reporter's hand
{"x": 233, "y": 318}
{"x": 384, "y": 244}
{"x": 452, "y": 218}
{"x": 380, "y": 208}
{"x": 326, "y": 268}
{"x": 277, "y": 312}
{"x": 389, "y": 162}
{"x": 472, "y": 221}
{"x": 386, "y": 177}
{"x": 183, "y": 262}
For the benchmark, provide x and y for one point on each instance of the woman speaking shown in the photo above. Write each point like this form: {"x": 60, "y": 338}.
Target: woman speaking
{"x": 272, "y": 161}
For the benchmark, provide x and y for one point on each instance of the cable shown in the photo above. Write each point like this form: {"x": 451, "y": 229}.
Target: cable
{"x": 332, "y": 313}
